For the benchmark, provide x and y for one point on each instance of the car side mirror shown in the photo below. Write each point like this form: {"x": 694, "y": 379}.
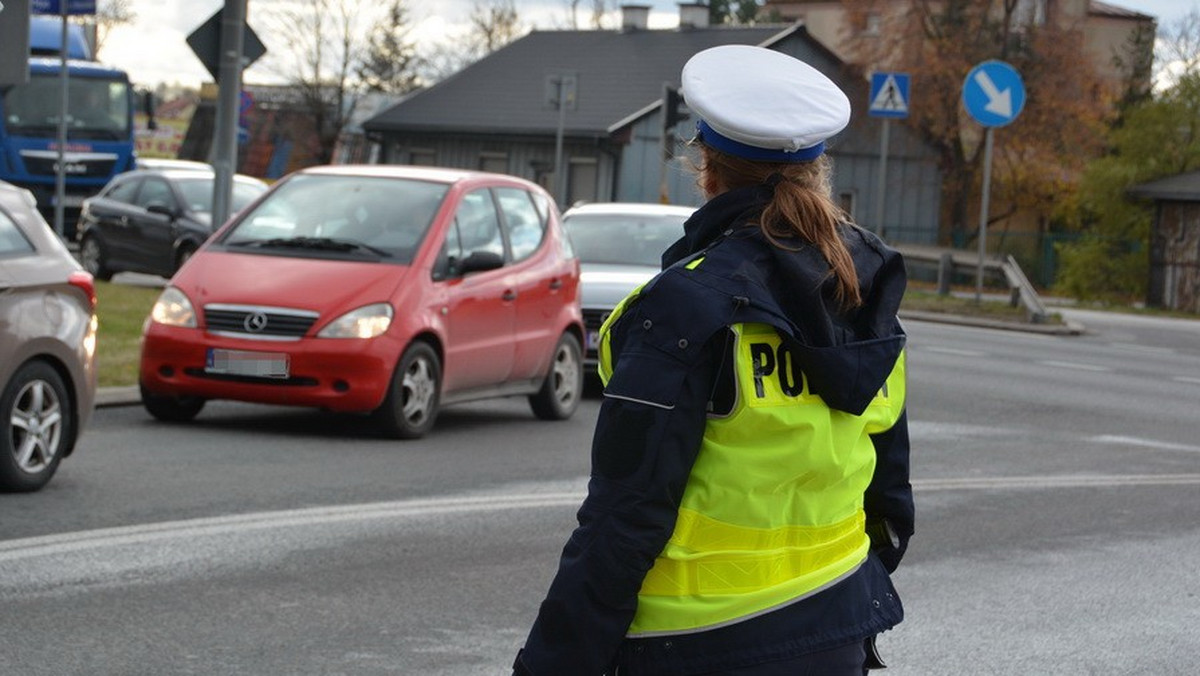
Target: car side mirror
{"x": 479, "y": 261}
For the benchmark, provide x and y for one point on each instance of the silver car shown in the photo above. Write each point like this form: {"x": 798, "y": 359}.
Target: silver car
{"x": 620, "y": 247}
{"x": 47, "y": 345}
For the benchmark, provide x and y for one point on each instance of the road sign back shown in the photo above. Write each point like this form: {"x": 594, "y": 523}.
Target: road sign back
{"x": 889, "y": 95}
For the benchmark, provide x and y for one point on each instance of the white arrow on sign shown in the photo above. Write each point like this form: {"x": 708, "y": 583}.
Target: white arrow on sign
{"x": 999, "y": 102}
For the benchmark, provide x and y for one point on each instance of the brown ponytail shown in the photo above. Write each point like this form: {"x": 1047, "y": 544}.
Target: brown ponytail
{"x": 803, "y": 206}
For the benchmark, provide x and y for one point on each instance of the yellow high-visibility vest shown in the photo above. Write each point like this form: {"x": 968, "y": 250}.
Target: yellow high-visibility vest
{"x": 773, "y": 508}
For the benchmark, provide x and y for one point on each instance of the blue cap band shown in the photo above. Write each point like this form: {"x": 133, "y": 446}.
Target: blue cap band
{"x": 727, "y": 145}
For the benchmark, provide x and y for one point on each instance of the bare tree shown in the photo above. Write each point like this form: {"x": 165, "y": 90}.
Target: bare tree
{"x": 599, "y": 9}
{"x": 494, "y": 23}
{"x": 109, "y": 14}
{"x": 325, "y": 46}
{"x": 1178, "y": 48}
{"x": 390, "y": 61}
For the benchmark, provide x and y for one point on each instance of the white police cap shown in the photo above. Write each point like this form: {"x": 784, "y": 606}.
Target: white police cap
{"x": 760, "y": 104}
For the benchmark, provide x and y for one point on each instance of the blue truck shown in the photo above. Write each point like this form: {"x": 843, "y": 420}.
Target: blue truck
{"x": 100, "y": 113}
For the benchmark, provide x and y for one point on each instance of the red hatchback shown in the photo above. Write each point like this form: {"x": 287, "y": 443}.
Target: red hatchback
{"x": 382, "y": 289}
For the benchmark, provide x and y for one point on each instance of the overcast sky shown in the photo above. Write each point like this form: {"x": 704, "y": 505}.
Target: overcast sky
{"x": 155, "y": 50}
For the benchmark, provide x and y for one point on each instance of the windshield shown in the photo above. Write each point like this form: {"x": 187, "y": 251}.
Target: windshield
{"x": 623, "y": 239}
{"x": 373, "y": 215}
{"x": 98, "y": 108}
{"x": 198, "y": 194}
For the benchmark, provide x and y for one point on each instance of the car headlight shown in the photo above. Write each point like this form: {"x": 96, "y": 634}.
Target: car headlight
{"x": 173, "y": 309}
{"x": 365, "y": 322}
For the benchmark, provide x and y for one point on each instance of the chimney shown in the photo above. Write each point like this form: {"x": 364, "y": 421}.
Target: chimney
{"x": 635, "y": 17}
{"x": 693, "y": 15}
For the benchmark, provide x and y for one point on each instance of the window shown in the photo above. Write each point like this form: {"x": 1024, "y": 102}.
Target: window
{"x": 476, "y": 227}
{"x": 155, "y": 192}
{"x": 123, "y": 192}
{"x": 423, "y": 157}
{"x": 846, "y": 202}
{"x": 581, "y": 181}
{"x": 12, "y": 240}
{"x": 494, "y": 162}
{"x": 525, "y": 226}
{"x": 873, "y": 24}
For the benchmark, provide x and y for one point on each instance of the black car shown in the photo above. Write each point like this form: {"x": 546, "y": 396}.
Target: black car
{"x": 152, "y": 221}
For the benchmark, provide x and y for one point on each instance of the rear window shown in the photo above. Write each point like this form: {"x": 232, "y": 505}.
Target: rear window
{"x": 322, "y": 215}
{"x": 12, "y": 241}
{"x": 623, "y": 239}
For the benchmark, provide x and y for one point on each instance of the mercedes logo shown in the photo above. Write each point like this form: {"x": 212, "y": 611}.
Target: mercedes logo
{"x": 255, "y": 322}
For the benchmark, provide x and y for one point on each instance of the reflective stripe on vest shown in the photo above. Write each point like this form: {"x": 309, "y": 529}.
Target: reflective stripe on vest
{"x": 772, "y": 511}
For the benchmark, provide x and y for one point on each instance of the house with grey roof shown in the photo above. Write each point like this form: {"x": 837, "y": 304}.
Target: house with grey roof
{"x": 608, "y": 141}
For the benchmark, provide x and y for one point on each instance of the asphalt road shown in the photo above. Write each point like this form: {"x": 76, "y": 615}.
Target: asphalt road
{"x": 1057, "y": 481}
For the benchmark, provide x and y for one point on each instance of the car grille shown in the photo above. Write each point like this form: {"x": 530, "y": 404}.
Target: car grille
{"x": 593, "y": 319}
{"x": 250, "y": 321}
{"x": 90, "y": 167}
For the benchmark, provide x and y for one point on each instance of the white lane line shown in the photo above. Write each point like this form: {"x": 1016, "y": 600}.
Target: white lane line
{"x": 1186, "y": 379}
{"x": 1066, "y": 481}
{"x": 91, "y": 540}
{"x": 955, "y": 351}
{"x": 1148, "y": 349}
{"x": 1118, "y": 440}
{"x": 49, "y": 545}
{"x": 1075, "y": 366}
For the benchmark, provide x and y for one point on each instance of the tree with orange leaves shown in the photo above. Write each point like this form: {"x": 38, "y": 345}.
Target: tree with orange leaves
{"x": 1037, "y": 158}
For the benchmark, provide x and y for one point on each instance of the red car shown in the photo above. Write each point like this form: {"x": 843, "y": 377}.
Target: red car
{"x": 382, "y": 289}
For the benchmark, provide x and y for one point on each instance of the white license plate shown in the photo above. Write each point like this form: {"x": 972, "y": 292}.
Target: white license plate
{"x": 69, "y": 200}
{"x": 247, "y": 363}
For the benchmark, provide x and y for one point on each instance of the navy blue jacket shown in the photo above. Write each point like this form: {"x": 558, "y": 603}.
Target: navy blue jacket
{"x": 642, "y": 455}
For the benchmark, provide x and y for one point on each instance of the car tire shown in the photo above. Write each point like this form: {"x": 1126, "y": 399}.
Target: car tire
{"x": 92, "y": 255}
{"x": 185, "y": 252}
{"x": 171, "y": 409}
{"x": 411, "y": 406}
{"x": 39, "y": 425}
{"x": 560, "y": 393}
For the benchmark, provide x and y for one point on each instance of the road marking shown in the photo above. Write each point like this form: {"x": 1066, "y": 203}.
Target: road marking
{"x": 1076, "y": 366}
{"x": 90, "y": 540}
{"x": 1187, "y": 379}
{"x": 1144, "y": 348}
{"x": 50, "y": 545}
{"x": 955, "y": 351}
{"x": 1066, "y": 481}
{"x": 1145, "y": 443}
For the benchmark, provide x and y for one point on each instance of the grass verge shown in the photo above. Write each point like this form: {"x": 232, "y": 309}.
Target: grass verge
{"x": 121, "y": 309}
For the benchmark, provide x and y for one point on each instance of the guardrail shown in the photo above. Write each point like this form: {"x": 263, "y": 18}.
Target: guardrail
{"x": 952, "y": 261}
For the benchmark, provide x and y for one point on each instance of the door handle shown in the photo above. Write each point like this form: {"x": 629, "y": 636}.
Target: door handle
{"x": 556, "y": 283}
{"x": 509, "y": 295}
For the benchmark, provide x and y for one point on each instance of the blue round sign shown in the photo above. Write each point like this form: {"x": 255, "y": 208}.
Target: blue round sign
{"x": 994, "y": 93}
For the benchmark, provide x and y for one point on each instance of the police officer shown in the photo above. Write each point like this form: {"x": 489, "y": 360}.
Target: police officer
{"x": 749, "y": 492}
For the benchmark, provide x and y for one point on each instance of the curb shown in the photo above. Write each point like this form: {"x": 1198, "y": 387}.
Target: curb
{"x": 1067, "y": 328}
{"x": 130, "y": 395}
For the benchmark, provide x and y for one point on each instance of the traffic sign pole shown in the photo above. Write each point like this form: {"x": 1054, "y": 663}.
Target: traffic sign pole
{"x": 994, "y": 95}
{"x": 983, "y": 212}
{"x": 233, "y": 22}
{"x": 881, "y": 193}
{"x": 889, "y": 98}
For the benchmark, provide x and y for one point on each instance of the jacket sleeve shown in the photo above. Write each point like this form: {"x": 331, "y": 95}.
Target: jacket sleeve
{"x": 647, "y": 436}
{"x": 889, "y": 498}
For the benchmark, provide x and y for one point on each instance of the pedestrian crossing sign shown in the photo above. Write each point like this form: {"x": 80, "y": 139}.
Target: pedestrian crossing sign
{"x": 889, "y": 95}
